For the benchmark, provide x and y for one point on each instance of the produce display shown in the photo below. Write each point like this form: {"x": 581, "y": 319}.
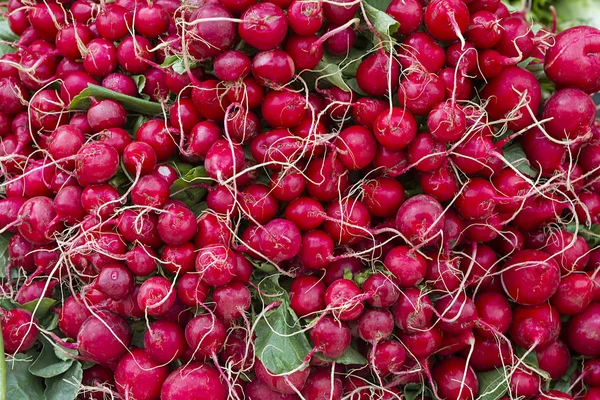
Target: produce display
{"x": 299, "y": 199}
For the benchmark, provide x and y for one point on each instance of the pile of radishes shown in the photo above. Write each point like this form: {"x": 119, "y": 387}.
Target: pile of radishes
{"x": 297, "y": 199}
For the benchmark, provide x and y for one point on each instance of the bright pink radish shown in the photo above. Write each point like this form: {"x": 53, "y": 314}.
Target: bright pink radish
{"x": 103, "y": 337}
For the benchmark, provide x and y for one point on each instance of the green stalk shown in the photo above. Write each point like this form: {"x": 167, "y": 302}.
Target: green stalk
{"x": 2, "y": 368}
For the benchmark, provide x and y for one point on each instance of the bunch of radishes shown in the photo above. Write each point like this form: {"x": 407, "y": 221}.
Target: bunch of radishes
{"x": 297, "y": 199}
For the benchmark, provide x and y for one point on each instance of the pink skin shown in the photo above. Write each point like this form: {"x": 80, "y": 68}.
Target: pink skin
{"x": 47, "y": 111}
{"x": 194, "y": 380}
{"x": 71, "y": 316}
{"x": 420, "y": 92}
{"x": 483, "y": 31}
{"x": 151, "y": 20}
{"x": 191, "y": 291}
{"x": 282, "y": 109}
{"x": 115, "y": 281}
{"x": 366, "y": 109}
{"x": 321, "y": 385}
{"x": 140, "y": 227}
{"x": 38, "y": 223}
{"x": 156, "y": 296}
{"x": 580, "y": 331}
{"x": 305, "y": 51}
{"x": 422, "y": 343}
{"x": 264, "y": 27}
{"x": 591, "y": 372}
{"x": 530, "y": 277}
{"x": 242, "y": 125}
{"x": 375, "y": 325}
{"x": 284, "y": 384}
{"x": 345, "y": 298}
{"x": 488, "y": 354}
{"x": 569, "y": 122}
{"x": 377, "y": 74}
{"x": 326, "y": 177}
{"x": 554, "y": 359}
{"x": 446, "y": 20}
{"x": 542, "y": 153}
{"x": 113, "y": 21}
{"x": 216, "y": 265}
{"x": 575, "y": 292}
{"x": 454, "y": 379}
{"x": 305, "y": 212}
{"x": 517, "y": 38}
{"x": 357, "y": 147}
{"x": 205, "y": 334}
{"x": 339, "y": 13}
{"x": 156, "y": 133}
{"x": 11, "y": 92}
{"x": 381, "y": 291}
{"x": 452, "y": 344}
{"x": 279, "y": 240}
{"x": 116, "y": 137}
{"x": 96, "y": 163}
{"x": 100, "y": 200}
{"x": 348, "y": 221}
{"x": 383, "y": 196}
{"x": 223, "y": 160}
{"x": 426, "y": 153}
{"x": 534, "y": 326}
{"x": 231, "y": 301}
{"x": 208, "y": 97}
{"x": 20, "y": 254}
{"x": 524, "y": 383}
{"x": 101, "y": 58}
{"x": 74, "y": 84}
{"x": 494, "y": 310}
{"x": 178, "y": 259}
{"x": 287, "y": 187}
{"x": 103, "y": 338}
{"x": 395, "y": 128}
{"x": 419, "y": 219}
{"x": 210, "y": 38}
{"x": 19, "y": 330}
{"x": 9, "y": 212}
{"x": 330, "y": 337}
{"x": 65, "y": 142}
{"x": 164, "y": 341}
{"x": 151, "y": 191}
{"x": 524, "y": 81}
{"x": 477, "y": 200}
{"x": 409, "y": 12}
{"x": 138, "y": 375}
{"x": 305, "y": 18}
{"x": 212, "y": 230}
{"x": 408, "y": 268}
{"x": 443, "y": 273}
{"x": 66, "y": 40}
{"x": 258, "y": 203}
{"x": 341, "y": 40}
{"x": 456, "y": 313}
{"x": 256, "y": 390}
{"x": 177, "y": 225}
{"x": 316, "y": 249}
{"x": 577, "y": 47}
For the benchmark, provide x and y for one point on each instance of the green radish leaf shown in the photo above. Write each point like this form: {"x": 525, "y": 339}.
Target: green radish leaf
{"x": 413, "y": 391}
{"x": 280, "y": 343}
{"x": 63, "y": 353}
{"x": 515, "y": 155}
{"x": 177, "y": 64}
{"x": 45, "y": 304}
{"x": 492, "y": 384}
{"x": 350, "y": 357}
{"x": 199, "y": 208}
{"x": 48, "y": 365}
{"x": 82, "y": 101}
{"x": 591, "y": 234}
{"x": 140, "y": 82}
{"x": 20, "y": 383}
{"x": 383, "y": 23}
{"x": 186, "y": 188}
{"x": 329, "y": 70}
{"x": 4, "y": 260}
{"x": 380, "y": 5}
{"x": 6, "y": 35}
{"x": 65, "y": 386}
{"x": 263, "y": 266}
{"x": 9, "y": 304}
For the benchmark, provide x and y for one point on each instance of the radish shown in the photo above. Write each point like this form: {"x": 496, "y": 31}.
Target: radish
{"x": 284, "y": 384}
{"x": 520, "y": 94}
{"x": 138, "y": 376}
{"x": 103, "y": 337}
{"x": 535, "y": 326}
{"x": 264, "y": 26}
{"x": 446, "y": 19}
{"x": 569, "y": 122}
{"x": 330, "y": 337}
{"x": 530, "y": 277}
{"x": 455, "y": 379}
{"x": 408, "y": 13}
{"x": 419, "y": 219}
{"x": 193, "y": 380}
{"x": 19, "y": 330}
{"x": 576, "y": 46}
{"x": 580, "y": 331}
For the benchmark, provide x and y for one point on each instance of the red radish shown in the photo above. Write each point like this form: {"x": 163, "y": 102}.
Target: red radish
{"x": 103, "y": 337}
{"x": 330, "y": 337}
{"x": 156, "y": 296}
{"x": 568, "y": 121}
{"x": 138, "y": 376}
{"x": 19, "y": 330}
{"x": 530, "y": 277}
{"x": 395, "y": 128}
{"x": 205, "y": 334}
{"x": 580, "y": 331}
{"x": 455, "y": 379}
{"x": 194, "y": 380}
{"x": 264, "y": 27}
{"x": 409, "y": 13}
{"x": 535, "y": 326}
{"x": 284, "y": 384}
{"x": 420, "y": 218}
{"x": 576, "y": 47}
